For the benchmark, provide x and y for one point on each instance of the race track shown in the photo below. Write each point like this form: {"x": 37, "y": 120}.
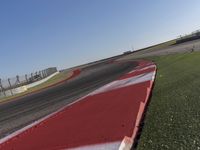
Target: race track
{"x": 25, "y": 110}
{"x": 106, "y": 118}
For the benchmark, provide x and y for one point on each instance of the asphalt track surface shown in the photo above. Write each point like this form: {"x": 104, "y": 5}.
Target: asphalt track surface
{"x": 25, "y": 110}
{"x": 107, "y": 118}
{"x": 173, "y": 49}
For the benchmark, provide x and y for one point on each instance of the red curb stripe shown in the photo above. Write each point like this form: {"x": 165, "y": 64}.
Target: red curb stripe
{"x": 101, "y": 118}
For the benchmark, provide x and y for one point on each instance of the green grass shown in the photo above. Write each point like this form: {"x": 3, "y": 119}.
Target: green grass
{"x": 57, "y": 78}
{"x": 173, "y": 117}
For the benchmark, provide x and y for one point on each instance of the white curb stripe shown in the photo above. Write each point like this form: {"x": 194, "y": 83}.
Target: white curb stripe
{"x": 124, "y": 83}
{"x": 125, "y": 144}
{"x": 103, "y": 146}
{"x": 148, "y": 67}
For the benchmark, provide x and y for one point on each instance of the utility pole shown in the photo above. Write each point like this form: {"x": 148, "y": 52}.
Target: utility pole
{"x": 132, "y": 48}
{"x": 10, "y": 86}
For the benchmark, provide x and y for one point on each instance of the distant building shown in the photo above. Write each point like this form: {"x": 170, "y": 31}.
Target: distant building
{"x": 190, "y": 37}
{"x": 127, "y": 52}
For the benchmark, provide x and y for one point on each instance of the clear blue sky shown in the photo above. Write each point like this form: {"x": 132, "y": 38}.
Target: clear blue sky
{"x": 35, "y": 34}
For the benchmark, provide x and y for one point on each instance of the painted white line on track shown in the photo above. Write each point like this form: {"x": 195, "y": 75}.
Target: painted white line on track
{"x": 103, "y": 146}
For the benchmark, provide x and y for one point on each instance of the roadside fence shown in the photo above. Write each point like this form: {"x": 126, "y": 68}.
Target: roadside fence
{"x": 7, "y": 85}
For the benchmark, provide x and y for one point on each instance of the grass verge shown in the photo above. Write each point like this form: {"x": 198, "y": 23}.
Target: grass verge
{"x": 172, "y": 120}
{"x": 56, "y": 79}
{"x": 148, "y": 49}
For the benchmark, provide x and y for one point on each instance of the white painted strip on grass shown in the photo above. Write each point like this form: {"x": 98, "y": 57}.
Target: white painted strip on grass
{"x": 103, "y": 146}
{"x": 125, "y": 82}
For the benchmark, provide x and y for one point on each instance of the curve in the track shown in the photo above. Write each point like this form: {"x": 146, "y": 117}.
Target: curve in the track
{"x": 25, "y": 110}
{"x": 100, "y": 120}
